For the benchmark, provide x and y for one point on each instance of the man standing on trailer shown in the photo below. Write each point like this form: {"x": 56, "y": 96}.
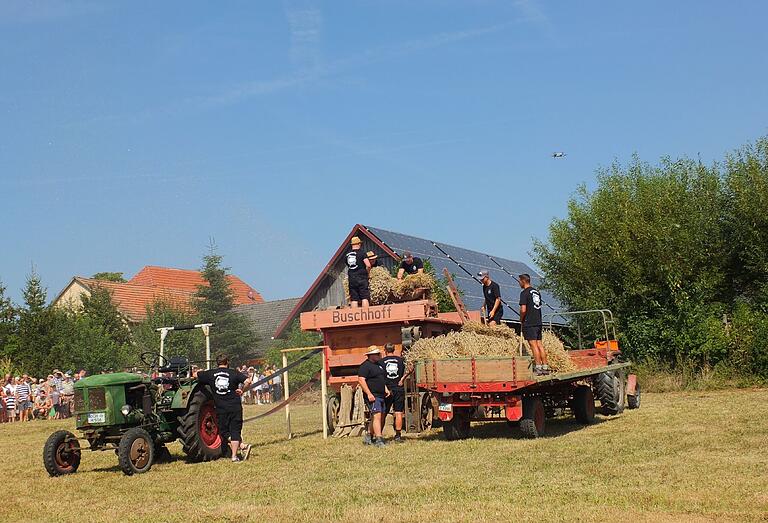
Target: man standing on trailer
{"x": 225, "y": 385}
{"x": 373, "y": 380}
{"x": 492, "y": 295}
{"x": 410, "y": 264}
{"x": 358, "y": 267}
{"x": 394, "y": 366}
{"x": 530, "y": 320}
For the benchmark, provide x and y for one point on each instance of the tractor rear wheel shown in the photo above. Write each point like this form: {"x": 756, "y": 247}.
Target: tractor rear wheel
{"x": 584, "y": 405}
{"x": 136, "y": 452}
{"x": 61, "y": 454}
{"x": 199, "y": 429}
{"x": 611, "y": 391}
{"x": 534, "y": 419}
{"x": 459, "y": 426}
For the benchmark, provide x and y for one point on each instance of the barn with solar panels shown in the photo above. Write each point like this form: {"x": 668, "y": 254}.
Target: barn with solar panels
{"x": 327, "y": 291}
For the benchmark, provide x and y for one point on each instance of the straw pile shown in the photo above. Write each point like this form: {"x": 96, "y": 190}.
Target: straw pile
{"x": 386, "y": 289}
{"x": 478, "y": 340}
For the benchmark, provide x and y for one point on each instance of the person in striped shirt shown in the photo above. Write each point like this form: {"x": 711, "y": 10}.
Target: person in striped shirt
{"x": 10, "y": 401}
{"x": 24, "y": 399}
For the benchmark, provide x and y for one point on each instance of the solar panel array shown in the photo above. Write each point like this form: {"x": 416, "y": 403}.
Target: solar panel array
{"x": 464, "y": 265}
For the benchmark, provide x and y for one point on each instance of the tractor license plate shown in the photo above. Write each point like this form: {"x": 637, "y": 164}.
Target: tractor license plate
{"x": 97, "y": 417}
{"x": 446, "y": 407}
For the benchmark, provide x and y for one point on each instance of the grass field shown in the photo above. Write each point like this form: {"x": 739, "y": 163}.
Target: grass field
{"x": 681, "y": 457}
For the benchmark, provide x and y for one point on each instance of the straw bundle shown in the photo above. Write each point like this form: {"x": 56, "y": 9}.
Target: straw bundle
{"x": 380, "y": 284}
{"x": 406, "y": 288}
{"x": 386, "y": 289}
{"x": 478, "y": 340}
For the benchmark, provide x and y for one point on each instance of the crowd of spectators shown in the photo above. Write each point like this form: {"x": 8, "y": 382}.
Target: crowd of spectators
{"x": 270, "y": 391}
{"x": 25, "y": 398}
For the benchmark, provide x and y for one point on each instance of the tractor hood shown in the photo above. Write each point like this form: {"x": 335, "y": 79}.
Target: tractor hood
{"x": 116, "y": 378}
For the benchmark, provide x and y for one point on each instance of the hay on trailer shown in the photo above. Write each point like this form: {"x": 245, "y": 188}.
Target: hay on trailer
{"x": 478, "y": 340}
{"x": 385, "y": 288}
{"x": 409, "y": 287}
{"x": 380, "y": 284}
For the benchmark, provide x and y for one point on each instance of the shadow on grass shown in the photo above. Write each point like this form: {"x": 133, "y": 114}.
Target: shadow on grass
{"x": 502, "y": 429}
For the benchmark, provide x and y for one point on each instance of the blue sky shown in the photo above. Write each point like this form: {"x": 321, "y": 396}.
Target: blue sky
{"x": 131, "y": 133}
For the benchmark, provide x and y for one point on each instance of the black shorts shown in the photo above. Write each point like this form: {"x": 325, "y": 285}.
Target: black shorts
{"x": 358, "y": 290}
{"x": 231, "y": 426}
{"x": 497, "y": 316}
{"x": 396, "y": 400}
{"x": 532, "y": 332}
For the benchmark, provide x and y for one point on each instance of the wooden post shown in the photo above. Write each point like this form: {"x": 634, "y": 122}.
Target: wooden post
{"x": 324, "y": 399}
{"x": 287, "y": 394}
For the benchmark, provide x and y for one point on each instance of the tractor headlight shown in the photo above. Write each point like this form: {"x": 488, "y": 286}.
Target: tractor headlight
{"x": 126, "y": 409}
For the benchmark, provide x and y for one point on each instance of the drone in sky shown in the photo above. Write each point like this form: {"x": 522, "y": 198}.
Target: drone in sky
{"x": 558, "y": 155}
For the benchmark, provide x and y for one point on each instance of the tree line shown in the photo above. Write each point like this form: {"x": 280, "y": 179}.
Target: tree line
{"x": 678, "y": 251}
{"x": 36, "y": 337}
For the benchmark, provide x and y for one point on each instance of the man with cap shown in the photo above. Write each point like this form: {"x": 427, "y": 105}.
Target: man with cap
{"x": 357, "y": 274}
{"x": 492, "y": 295}
{"x": 373, "y": 380}
{"x": 410, "y": 264}
{"x": 530, "y": 320}
{"x": 394, "y": 366}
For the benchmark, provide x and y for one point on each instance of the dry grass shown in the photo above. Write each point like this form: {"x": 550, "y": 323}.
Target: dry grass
{"x": 682, "y": 457}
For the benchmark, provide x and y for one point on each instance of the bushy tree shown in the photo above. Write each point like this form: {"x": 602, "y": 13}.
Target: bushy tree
{"x": 109, "y": 276}
{"x": 9, "y": 318}
{"x": 190, "y": 344}
{"x": 214, "y": 302}
{"x": 38, "y": 328}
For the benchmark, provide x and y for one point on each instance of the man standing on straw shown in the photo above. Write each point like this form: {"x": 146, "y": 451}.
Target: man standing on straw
{"x": 358, "y": 267}
{"x": 530, "y": 320}
{"x": 492, "y": 295}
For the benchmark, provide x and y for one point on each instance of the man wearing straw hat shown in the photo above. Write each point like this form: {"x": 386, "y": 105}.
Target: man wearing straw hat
{"x": 373, "y": 380}
{"x": 358, "y": 267}
{"x": 373, "y": 260}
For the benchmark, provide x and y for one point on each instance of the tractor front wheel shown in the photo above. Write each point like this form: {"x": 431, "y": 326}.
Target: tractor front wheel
{"x": 61, "y": 454}
{"x": 136, "y": 452}
{"x": 199, "y": 429}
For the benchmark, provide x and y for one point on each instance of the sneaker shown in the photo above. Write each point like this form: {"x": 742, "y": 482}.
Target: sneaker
{"x": 236, "y": 460}
{"x": 367, "y": 439}
{"x": 245, "y": 450}
{"x": 379, "y": 443}
{"x": 399, "y": 439}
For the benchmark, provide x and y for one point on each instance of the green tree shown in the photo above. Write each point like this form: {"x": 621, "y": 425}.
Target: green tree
{"x": 37, "y": 328}
{"x": 9, "y": 319}
{"x": 303, "y": 372}
{"x": 109, "y": 276}
{"x": 101, "y": 311}
{"x": 231, "y": 333}
{"x": 190, "y": 344}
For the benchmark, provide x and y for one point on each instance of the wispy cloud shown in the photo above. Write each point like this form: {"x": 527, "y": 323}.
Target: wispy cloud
{"x": 245, "y": 90}
{"x": 306, "y": 26}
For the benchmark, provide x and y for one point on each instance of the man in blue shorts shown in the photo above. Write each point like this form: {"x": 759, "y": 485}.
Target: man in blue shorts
{"x": 373, "y": 380}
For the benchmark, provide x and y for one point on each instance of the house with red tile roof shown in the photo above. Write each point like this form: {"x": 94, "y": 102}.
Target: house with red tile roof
{"x": 173, "y": 286}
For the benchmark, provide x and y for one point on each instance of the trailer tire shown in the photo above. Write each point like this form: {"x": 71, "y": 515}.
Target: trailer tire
{"x": 458, "y": 427}
{"x": 533, "y": 422}
{"x": 584, "y": 405}
{"x": 199, "y": 429}
{"x": 633, "y": 402}
{"x": 332, "y": 411}
{"x": 611, "y": 391}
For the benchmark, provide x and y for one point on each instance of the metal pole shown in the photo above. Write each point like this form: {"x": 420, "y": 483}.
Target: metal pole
{"x": 287, "y": 395}
{"x": 324, "y": 399}
{"x": 163, "y": 334}
{"x": 207, "y": 330}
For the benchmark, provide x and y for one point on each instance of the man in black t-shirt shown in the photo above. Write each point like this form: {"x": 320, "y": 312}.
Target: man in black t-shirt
{"x": 373, "y": 380}
{"x": 394, "y": 367}
{"x": 410, "y": 264}
{"x": 492, "y": 295}
{"x": 530, "y": 320}
{"x": 358, "y": 267}
{"x": 225, "y": 386}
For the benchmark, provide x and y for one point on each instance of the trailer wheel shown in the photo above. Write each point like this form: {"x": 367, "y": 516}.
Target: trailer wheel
{"x": 533, "y": 421}
{"x": 458, "y": 427}
{"x": 584, "y": 405}
{"x": 611, "y": 391}
{"x": 633, "y": 402}
{"x": 61, "y": 454}
{"x": 333, "y": 413}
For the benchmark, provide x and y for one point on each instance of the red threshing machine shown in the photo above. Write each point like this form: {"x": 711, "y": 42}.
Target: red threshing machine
{"x": 464, "y": 390}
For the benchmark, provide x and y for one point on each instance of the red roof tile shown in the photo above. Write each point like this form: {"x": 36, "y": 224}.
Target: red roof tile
{"x": 132, "y": 299}
{"x": 188, "y": 281}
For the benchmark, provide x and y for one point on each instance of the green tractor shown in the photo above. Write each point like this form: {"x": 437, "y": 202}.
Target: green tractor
{"x": 136, "y": 416}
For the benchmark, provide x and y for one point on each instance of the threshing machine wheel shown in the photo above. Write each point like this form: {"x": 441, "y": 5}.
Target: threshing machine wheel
{"x": 61, "y": 454}
{"x": 611, "y": 391}
{"x": 534, "y": 419}
{"x": 199, "y": 429}
{"x": 633, "y": 402}
{"x": 459, "y": 426}
{"x": 333, "y": 412}
{"x": 136, "y": 451}
{"x": 584, "y": 405}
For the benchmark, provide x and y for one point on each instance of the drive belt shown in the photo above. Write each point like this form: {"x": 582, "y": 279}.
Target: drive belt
{"x": 278, "y": 372}
{"x": 304, "y": 388}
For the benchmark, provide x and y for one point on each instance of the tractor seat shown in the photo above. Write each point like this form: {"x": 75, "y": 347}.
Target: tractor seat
{"x": 179, "y": 365}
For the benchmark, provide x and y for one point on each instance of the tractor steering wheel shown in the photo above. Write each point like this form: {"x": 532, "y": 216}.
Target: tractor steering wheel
{"x": 153, "y": 359}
